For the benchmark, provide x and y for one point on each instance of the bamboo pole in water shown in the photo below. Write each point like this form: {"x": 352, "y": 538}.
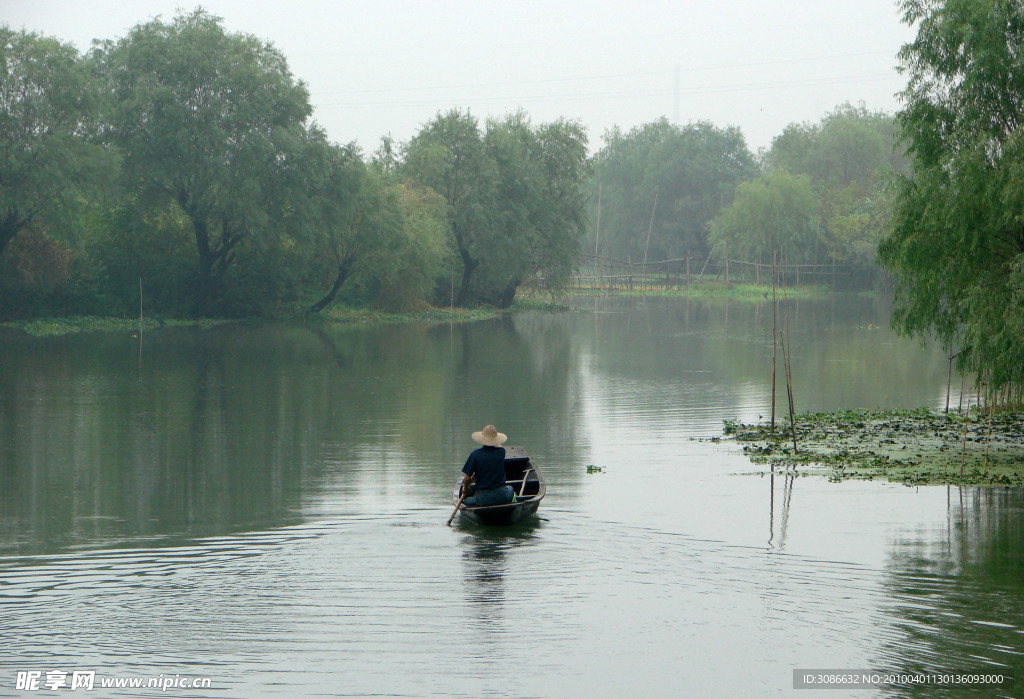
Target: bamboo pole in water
{"x": 787, "y": 352}
{"x": 988, "y": 438}
{"x": 650, "y": 227}
{"x": 963, "y": 453}
{"x": 775, "y": 305}
{"x": 949, "y": 380}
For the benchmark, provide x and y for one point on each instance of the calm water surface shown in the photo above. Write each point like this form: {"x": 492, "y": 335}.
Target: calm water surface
{"x": 265, "y": 505}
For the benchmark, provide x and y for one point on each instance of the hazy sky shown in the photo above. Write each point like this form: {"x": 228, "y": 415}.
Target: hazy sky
{"x": 387, "y": 66}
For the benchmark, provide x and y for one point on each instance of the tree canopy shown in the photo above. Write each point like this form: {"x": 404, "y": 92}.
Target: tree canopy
{"x": 849, "y": 145}
{"x": 775, "y": 213}
{"x": 233, "y": 202}
{"x": 514, "y": 194}
{"x": 823, "y": 194}
{"x": 956, "y": 248}
{"x": 683, "y": 175}
{"x": 50, "y": 159}
{"x": 448, "y": 155}
{"x": 206, "y": 119}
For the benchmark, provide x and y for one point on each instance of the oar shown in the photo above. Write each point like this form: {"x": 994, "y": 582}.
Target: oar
{"x": 465, "y": 492}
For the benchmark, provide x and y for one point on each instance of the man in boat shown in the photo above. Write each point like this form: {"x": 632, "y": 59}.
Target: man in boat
{"x": 487, "y": 465}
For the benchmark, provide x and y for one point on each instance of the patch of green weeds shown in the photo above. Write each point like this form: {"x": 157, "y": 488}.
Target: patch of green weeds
{"x": 907, "y": 446}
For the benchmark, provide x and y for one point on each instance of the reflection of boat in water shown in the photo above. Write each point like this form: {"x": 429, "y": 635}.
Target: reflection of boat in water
{"x": 521, "y": 473}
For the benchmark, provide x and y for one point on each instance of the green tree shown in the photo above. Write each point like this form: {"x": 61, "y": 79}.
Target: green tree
{"x": 448, "y": 155}
{"x": 50, "y": 163}
{"x": 340, "y": 218}
{"x": 514, "y": 194}
{"x": 539, "y": 205}
{"x": 208, "y": 120}
{"x": 849, "y": 157}
{"x": 854, "y": 220}
{"x": 371, "y": 232}
{"x": 130, "y": 243}
{"x": 775, "y": 213}
{"x": 851, "y": 144}
{"x": 684, "y": 175}
{"x": 417, "y": 268}
{"x": 956, "y": 249}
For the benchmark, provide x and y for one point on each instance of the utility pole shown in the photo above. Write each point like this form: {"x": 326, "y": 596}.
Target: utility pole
{"x": 675, "y": 99}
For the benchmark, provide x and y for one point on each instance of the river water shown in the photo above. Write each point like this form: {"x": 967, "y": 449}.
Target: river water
{"x": 264, "y": 505}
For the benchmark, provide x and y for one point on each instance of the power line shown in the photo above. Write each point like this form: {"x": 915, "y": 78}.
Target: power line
{"x": 606, "y": 76}
{"x": 619, "y": 94}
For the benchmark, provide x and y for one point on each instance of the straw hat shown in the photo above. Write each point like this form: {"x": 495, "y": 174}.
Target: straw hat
{"x": 489, "y": 437}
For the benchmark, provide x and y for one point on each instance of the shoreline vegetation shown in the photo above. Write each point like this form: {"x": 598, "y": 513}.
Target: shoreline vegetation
{"x": 58, "y": 326}
{"x": 713, "y": 290}
{"x": 912, "y": 447}
{"x": 55, "y": 327}
{"x": 528, "y": 300}
{"x": 468, "y": 212}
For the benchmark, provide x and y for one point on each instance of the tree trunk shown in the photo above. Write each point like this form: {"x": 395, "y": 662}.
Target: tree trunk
{"x": 344, "y": 269}
{"x": 9, "y": 227}
{"x": 469, "y": 266}
{"x": 507, "y": 296}
{"x": 214, "y": 260}
{"x": 203, "y": 283}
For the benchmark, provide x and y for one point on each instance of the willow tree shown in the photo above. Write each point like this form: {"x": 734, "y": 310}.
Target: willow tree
{"x": 448, "y": 155}
{"x": 538, "y": 219}
{"x": 514, "y": 194}
{"x": 775, "y": 213}
{"x": 207, "y": 120}
{"x": 49, "y": 108}
{"x": 659, "y": 185}
{"x": 371, "y": 236}
{"x": 956, "y": 249}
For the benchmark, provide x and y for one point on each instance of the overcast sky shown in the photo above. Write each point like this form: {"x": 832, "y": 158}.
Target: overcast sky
{"x": 387, "y": 66}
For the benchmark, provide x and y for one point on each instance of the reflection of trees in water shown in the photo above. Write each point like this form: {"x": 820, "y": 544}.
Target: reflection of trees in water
{"x": 958, "y": 594}
{"x": 717, "y": 349}
{"x": 204, "y": 434}
{"x": 232, "y": 428}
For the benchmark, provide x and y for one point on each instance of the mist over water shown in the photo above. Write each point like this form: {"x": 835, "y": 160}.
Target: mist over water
{"x": 265, "y": 505}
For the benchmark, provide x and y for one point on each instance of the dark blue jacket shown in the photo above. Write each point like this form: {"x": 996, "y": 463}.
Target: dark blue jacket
{"x": 488, "y": 463}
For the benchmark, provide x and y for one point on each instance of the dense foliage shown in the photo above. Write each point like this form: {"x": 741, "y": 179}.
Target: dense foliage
{"x": 180, "y": 163}
{"x": 50, "y": 163}
{"x": 207, "y": 121}
{"x": 823, "y": 196}
{"x": 957, "y": 244}
{"x": 659, "y": 185}
{"x": 818, "y": 196}
{"x": 776, "y": 212}
{"x": 514, "y": 197}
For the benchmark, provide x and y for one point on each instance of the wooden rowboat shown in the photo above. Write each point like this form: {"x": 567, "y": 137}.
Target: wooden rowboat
{"x": 521, "y": 473}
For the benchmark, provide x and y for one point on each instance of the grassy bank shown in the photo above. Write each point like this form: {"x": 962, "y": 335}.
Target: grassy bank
{"x": 51, "y": 327}
{"x": 708, "y": 290}
{"x": 354, "y": 314}
{"x": 911, "y": 447}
